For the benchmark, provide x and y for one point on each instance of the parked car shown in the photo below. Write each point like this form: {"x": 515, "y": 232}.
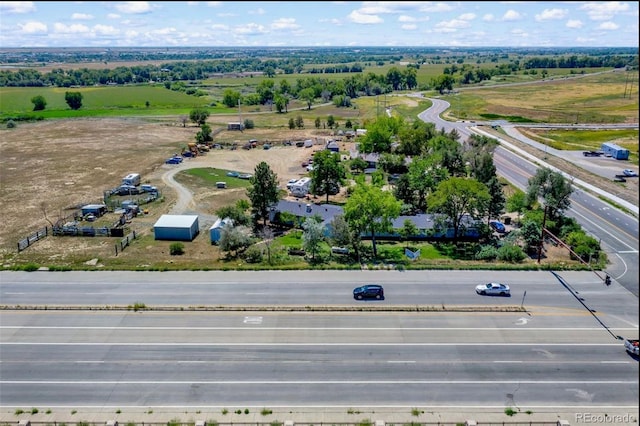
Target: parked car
{"x": 493, "y": 289}
{"x": 498, "y": 226}
{"x": 628, "y": 172}
{"x": 174, "y": 160}
{"x": 244, "y": 176}
{"x": 233, "y": 174}
{"x": 368, "y": 291}
{"x": 266, "y": 146}
{"x": 148, "y": 188}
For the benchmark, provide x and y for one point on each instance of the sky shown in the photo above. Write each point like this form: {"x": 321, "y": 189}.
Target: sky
{"x": 316, "y": 24}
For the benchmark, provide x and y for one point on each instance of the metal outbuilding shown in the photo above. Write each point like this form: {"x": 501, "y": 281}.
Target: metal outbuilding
{"x": 95, "y": 209}
{"x": 216, "y": 229}
{"x": 176, "y": 227}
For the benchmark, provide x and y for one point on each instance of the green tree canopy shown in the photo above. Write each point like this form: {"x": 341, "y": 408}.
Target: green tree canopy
{"x": 199, "y": 116}
{"x": 73, "y": 99}
{"x": 554, "y": 190}
{"x": 328, "y": 173}
{"x": 263, "y": 192}
{"x": 371, "y": 209}
{"x": 457, "y": 197}
{"x": 39, "y": 103}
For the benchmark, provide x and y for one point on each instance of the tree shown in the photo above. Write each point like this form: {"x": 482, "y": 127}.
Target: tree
{"x": 517, "y": 203}
{"x": 317, "y": 122}
{"x": 267, "y": 236}
{"x": 457, "y": 197}
{"x": 370, "y": 209}
{"x": 235, "y": 213}
{"x": 331, "y": 121}
{"x": 234, "y": 239}
{"x": 263, "y": 192}
{"x": 328, "y": 173}
{"x": 408, "y": 230}
{"x": 312, "y": 236}
{"x": 307, "y": 95}
{"x": 553, "y": 188}
{"x": 39, "y": 103}
{"x": 183, "y": 120}
{"x": 292, "y": 123}
{"x": 73, "y": 99}
{"x": 496, "y": 204}
{"x": 204, "y": 135}
{"x": 199, "y": 116}
{"x": 231, "y": 98}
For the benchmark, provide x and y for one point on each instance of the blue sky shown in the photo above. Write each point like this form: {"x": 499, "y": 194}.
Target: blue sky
{"x": 283, "y": 23}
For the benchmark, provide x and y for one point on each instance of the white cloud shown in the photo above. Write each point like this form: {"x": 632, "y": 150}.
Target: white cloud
{"x": 359, "y": 18}
{"x": 511, "y": 15}
{"x": 113, "y": 16}
{"x": 574, "y": 23}
{"x": 17, "y": 6}
{"x": 605, "y": 10}
{"x": 450, "y": 26}
{"x": 488, "y": 17}
{"x": 214, "y": 3}
{"x": 406, "y": 18}
{"x": 251, "y": 29}
{"x": 548, "y": 14}
{"x": 467, "y": 16}
{"x": 285, "y": 24}
{"x": 105, "y": 30}
{"x": 409, "y": 27}
{"x": 258, "y": 11}
{"x": 134, "y": 7}
{"x": 609, "y": 26}
{"x": 33, "y": 27}
{"x": 82, "y": 16}
{"x": 60, "y": 28}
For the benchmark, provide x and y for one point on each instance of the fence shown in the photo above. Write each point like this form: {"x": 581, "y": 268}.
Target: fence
{"x": 36, "y": 236}
{"x": 123, "y": 243}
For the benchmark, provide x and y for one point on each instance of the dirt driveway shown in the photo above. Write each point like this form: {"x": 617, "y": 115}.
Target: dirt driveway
{"x": 50, "y": 168}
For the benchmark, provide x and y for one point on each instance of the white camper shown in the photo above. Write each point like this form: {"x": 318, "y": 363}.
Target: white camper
{"x": 132, "y": 179}
{"x": 301, "y": 187}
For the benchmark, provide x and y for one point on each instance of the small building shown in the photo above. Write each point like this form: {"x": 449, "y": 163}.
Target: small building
{"x": 216, "y": 229}
{"x": 615, "y": 151}
{"x": 235, "y": 126}
{"x": 176, "y": 227}
{"x": 95, "y": 209}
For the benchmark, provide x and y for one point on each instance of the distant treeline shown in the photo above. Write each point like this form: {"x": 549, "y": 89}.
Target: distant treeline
{"x": 467, "y": 64}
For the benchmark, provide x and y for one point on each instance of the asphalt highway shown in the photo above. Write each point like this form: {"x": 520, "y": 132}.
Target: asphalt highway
{"x": 563, "y": 350}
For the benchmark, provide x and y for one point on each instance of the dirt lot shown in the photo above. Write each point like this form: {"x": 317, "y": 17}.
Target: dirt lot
{"x": 49, "y": 168}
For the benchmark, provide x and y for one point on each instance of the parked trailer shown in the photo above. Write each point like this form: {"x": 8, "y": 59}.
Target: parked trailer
{"x": 132, "y": 179}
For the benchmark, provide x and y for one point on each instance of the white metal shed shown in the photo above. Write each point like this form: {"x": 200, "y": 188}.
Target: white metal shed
{"x": 176, "y": 227}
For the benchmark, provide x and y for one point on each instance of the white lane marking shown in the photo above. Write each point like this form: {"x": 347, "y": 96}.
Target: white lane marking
{"x": 29, "y": 327}
{"x": 318, "y": 382}
{"x": 300, "y": 344}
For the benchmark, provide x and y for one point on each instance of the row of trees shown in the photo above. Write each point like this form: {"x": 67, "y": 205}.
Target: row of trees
{"x": 450, "y": 180}
{"x": 73, "y": 99}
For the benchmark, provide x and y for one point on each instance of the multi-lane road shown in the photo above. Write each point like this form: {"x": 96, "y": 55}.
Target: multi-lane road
{"x": 563, "y": 351}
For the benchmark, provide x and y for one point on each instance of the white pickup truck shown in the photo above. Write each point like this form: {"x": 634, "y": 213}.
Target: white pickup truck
{"x": 631, "y": 346}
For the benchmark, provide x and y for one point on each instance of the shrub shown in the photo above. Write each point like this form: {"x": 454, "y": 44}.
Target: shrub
{"x": 487, "y": 253}
{"x": 11, "y": 124}
{"x": 266, "y": 412}
{"x": 510, "y": 411}
{"x": 248, "y": 124}
{"x": 511, "y": 253}
{"x": 176, "y": 249}
{"x": 253, "y": 255}
{"x": 30, "y": 267}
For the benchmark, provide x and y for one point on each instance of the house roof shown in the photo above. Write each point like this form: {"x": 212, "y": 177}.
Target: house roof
{"x": 326, "y": 211}
{"x": 176, "y": 221}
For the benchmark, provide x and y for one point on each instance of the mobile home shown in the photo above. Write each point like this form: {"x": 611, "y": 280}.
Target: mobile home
{"x": 301, "y": 187}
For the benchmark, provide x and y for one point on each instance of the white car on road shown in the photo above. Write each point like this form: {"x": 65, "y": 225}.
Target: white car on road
{"x": 493, "y": 289}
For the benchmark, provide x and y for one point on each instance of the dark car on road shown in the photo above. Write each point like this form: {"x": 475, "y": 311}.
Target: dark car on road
{"x": 369, "y": 291}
